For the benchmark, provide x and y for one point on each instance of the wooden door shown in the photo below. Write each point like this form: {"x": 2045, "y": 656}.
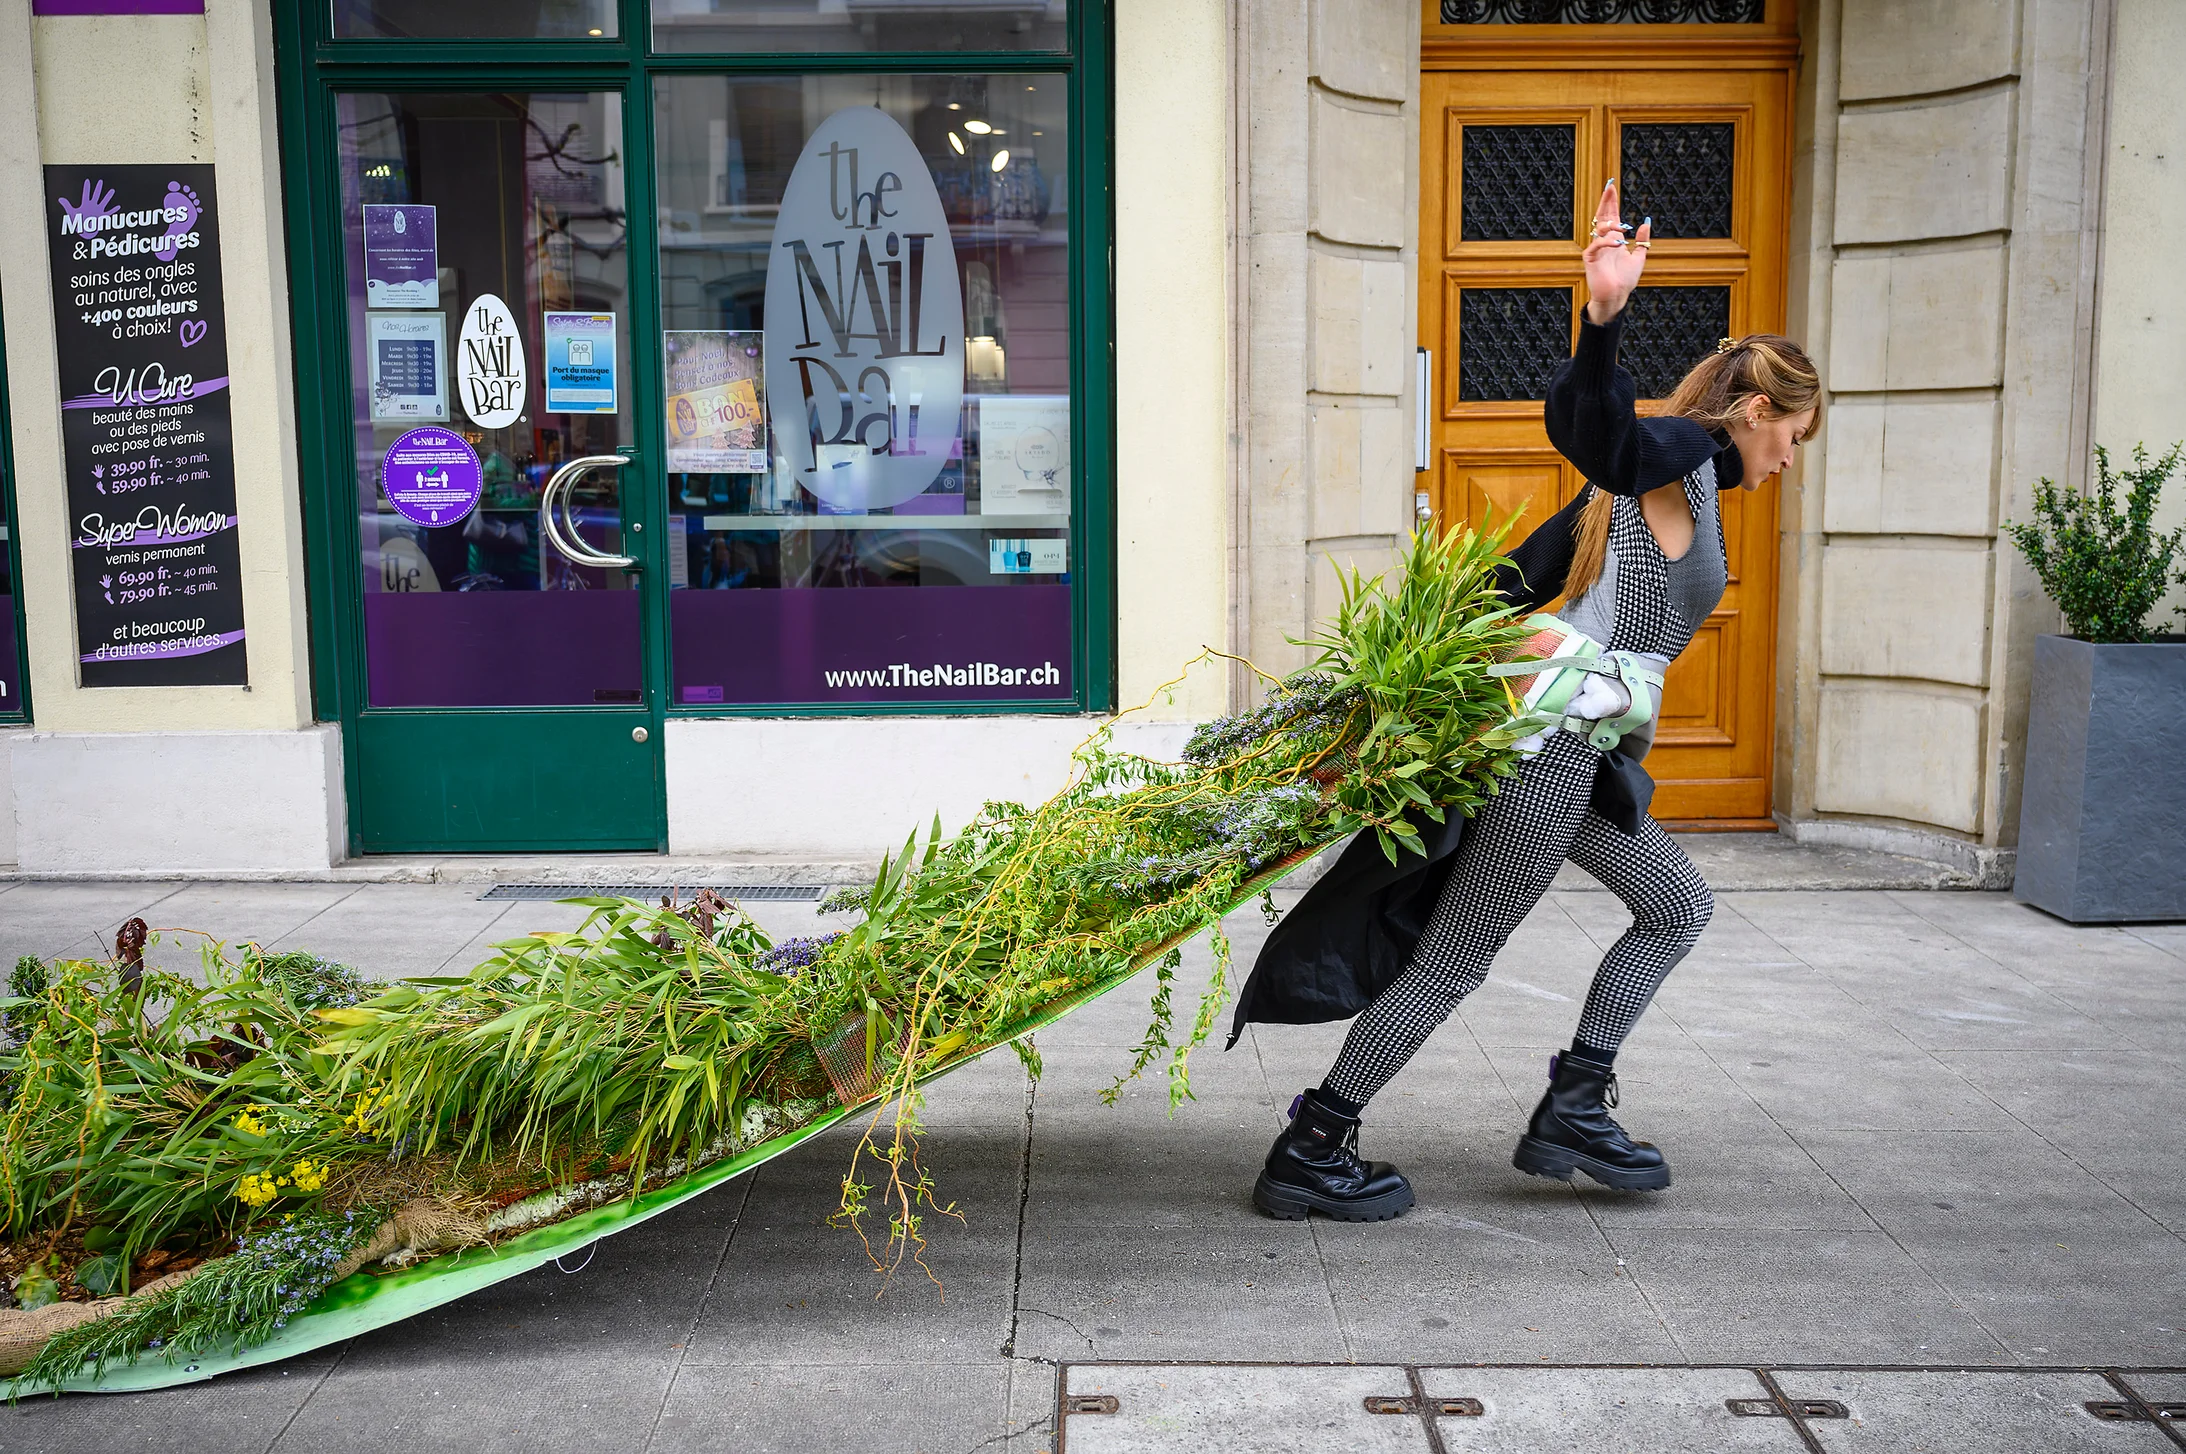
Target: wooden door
{"x": 1514, "y": 162}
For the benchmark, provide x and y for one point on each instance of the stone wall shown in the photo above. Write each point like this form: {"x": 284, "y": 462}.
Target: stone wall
{"x": 2140, "y": 347}
{"x": 1945, "y": 243}
{"x": 1326, "y": 216}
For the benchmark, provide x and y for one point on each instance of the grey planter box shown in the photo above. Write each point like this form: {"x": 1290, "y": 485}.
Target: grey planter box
{"x": 2102, "y": 820}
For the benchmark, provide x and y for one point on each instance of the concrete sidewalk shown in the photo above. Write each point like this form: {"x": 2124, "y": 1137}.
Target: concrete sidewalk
{"x": 1916, "y": 1129}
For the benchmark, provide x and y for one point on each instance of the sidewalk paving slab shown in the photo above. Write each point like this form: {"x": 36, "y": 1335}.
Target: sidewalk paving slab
{"x": 1625, "y": 1410}
{"x": 1165, "y": 1408}
{"x": 1969, "y": 1413}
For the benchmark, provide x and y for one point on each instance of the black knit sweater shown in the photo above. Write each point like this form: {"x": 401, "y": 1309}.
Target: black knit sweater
{"x": 1593, "y": 421}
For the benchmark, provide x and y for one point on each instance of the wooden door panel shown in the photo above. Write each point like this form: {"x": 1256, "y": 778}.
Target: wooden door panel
{"x": 1491, "y": 488}
{"x": 1491, "y": 456}
{"x": 1699, "y": 691}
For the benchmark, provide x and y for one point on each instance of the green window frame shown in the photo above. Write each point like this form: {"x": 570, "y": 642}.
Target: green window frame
{"x": 13, "y": 713}
{"x": 311, "y": 66}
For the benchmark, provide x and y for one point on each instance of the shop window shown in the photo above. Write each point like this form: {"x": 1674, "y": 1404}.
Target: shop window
{"x": 1516, "y": 183}
{"x": 1510, "y": 341}
{"x": 486, "y": 249}
{"x": 474, "y": 19}
{"x": 866, "y": 346}
{"x": 858, "y": 27}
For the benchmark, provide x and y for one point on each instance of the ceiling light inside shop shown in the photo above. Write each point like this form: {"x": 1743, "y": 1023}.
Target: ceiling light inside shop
{"x": 595, "y": 30}
{"x": 1001, "y": 159}
{"x": 956, "y": 143}
{"x": 977, "y": 128}
{"x": 956, "y": 106}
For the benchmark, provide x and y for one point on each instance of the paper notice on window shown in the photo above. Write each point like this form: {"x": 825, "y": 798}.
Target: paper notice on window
{"x": 1024, "y": 454}
{"x": 715, "y": 425}
{"x": 580, "y": 363}
{"x": 407, "y": 357}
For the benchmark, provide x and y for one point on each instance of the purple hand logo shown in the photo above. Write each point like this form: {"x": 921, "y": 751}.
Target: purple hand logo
{"x": 97, "y": 201}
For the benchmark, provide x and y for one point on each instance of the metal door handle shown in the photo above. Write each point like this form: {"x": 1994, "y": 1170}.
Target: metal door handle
{"x": 562, "y": 534}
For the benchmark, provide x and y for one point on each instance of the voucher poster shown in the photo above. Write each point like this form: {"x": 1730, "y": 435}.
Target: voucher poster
{"x": 715, "y": 425}
{"x": 407, "y": 357}
{"x": 142, "y": 354}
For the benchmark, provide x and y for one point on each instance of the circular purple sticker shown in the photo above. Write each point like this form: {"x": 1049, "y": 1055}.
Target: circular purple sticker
{"x": 432, "y": 476}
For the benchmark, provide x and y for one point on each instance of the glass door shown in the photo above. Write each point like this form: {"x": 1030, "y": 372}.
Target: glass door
{"x": 487, "y": 319}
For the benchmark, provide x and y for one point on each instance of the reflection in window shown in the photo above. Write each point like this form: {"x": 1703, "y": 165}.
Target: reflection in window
{"x": 863, "y": 27}
{"x": 859, "y": 474}
{"x": 486, "y": 254}
{"x": 474, "y": 19}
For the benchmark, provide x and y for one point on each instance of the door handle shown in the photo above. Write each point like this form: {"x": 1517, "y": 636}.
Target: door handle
{"x": 562, "y": 534}
{"x": 1423, "y": 393}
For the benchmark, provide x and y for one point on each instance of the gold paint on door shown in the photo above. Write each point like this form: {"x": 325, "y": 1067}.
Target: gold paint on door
{"x": 1491, "y": 457}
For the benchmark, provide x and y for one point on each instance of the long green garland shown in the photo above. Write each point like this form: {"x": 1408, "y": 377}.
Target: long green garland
{"x": 154, "y": 1112}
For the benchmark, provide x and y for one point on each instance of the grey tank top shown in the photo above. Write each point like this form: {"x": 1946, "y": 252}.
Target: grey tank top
{"x": 1646, "y": 603}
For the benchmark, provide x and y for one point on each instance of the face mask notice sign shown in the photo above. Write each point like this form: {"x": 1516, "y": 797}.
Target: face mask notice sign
{"x": 142, "y": 354}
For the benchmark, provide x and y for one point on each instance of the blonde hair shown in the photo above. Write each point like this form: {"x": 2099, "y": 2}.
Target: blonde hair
{"x": 1714, "y": 395}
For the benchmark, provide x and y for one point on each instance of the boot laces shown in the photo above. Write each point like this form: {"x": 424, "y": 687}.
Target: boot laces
{"x": 1609, "y": 1091}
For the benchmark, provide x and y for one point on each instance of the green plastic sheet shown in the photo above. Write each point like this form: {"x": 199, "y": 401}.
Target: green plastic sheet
{"x": 366, "y": 1300}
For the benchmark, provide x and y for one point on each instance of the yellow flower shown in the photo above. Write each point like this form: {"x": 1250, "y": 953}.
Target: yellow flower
{"x": 308, "y": 1175}
{"x": 257, "y": 1189}
{"x": 246, "y": 1121}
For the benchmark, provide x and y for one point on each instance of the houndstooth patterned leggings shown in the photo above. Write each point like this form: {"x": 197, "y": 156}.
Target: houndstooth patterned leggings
{"x": 1511, "y": 852}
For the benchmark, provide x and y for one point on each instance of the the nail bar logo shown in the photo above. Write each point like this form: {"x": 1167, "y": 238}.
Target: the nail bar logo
{"x": 865, "y": 322}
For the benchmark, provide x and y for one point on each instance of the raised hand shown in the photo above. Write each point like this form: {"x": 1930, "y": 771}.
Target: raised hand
{"x": 1613, "y": 265}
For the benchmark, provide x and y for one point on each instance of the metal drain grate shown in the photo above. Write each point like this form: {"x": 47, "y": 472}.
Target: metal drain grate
{"x": 651, "y": 893}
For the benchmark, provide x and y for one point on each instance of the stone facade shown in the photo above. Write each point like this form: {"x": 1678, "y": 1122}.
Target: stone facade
{"x": 1949, "y": 192}
{"x": 1325, "y": 217}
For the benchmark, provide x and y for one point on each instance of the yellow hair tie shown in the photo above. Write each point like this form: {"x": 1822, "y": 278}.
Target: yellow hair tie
{"x": 1725, "y": 345}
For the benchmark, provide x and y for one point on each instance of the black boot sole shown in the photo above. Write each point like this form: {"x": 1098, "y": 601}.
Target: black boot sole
{"x": 1292, "y": 1203}
{"x": 1536, "y": 1157}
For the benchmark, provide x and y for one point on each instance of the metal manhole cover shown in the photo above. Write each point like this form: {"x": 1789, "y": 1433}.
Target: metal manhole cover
{"x": 651, "y": 893}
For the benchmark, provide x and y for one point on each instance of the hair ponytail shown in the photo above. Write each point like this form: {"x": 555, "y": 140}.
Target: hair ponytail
{"x": 1714, "y": 395}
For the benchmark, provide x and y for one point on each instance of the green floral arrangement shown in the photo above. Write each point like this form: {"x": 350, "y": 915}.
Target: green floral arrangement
{"x": 279, "y": 1124}
{"x": 2105, "y": 566}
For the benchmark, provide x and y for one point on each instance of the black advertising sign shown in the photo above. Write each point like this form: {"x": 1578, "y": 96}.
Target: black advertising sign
{"x": 143, "y": 354}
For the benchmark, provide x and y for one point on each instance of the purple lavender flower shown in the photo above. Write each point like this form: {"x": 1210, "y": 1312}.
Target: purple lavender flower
{"x": 793, "y": 956}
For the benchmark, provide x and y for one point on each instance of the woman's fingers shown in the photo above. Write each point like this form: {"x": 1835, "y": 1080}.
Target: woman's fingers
{"x": 1606, "y": 215}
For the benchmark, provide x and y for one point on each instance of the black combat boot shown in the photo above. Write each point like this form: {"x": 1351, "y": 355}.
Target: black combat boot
{"x": 1572, "y": 1130}
{"x": 1314, "y": 1166}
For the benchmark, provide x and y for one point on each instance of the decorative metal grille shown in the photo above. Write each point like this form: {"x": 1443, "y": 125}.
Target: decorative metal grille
{"x": 1604, "y": 12}
{"x": 1668, "y": 330}
{"x": 1510, "y": 340}
{"x": 1517, "y": 183}
{"x": 1679, "y": 173}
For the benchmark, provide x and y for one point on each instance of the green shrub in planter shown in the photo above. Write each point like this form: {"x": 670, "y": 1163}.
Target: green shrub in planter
{"x": 2106, "y": 568}
{"x": 2102, "y": 817}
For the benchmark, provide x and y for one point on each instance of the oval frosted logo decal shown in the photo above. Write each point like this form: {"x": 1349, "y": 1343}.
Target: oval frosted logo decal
{"x": 865, "y": 323}
{"x": 490, "y": 364}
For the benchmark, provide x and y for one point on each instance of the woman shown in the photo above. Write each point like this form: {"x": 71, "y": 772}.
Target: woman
{"x": 1639, "y": 555}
